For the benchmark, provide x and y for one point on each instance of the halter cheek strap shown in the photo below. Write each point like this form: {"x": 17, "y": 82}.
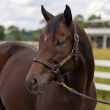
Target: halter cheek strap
{"x": 56, "y": 68}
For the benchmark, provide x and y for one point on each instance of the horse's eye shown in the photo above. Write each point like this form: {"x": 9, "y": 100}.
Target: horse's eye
{"x": 59, "y": 43}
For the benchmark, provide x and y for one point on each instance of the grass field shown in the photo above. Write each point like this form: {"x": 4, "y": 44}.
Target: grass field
{"x": 101, "y": 95}
{"x": 101, "y": 54}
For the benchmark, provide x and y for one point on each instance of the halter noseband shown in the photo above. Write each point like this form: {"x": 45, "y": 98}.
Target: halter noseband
{"x": 56, "y": 68}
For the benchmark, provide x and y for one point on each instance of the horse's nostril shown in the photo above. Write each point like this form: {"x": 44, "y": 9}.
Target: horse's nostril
{"x": 34, "y": 82}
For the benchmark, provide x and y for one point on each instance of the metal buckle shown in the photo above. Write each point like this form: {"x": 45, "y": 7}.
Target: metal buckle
{"x": 55, "y": 69}
{"x": 75, "y": 38}
{"x": 72, "y": 50}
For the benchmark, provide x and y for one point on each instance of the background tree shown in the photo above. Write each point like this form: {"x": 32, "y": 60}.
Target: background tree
{"x": 2, "y": 33}
{"x": 43, "y": 22}
{"x": 94, "y": 17}
{"x": 15, "y": 32}
{"x": 80, "y": 20}
{"x": 37, "y": 34}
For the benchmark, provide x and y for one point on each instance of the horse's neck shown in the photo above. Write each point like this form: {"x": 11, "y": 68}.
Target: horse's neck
{"x": 85, "y": 66}
{"x": 77, "y": 79}
{"x": 82, "y": 77}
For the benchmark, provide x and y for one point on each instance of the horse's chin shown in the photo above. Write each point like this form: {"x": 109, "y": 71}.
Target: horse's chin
{"x": 38, "y": 90}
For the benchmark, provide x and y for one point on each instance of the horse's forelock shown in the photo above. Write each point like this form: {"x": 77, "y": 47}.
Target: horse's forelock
{"x": 53, "y": 25}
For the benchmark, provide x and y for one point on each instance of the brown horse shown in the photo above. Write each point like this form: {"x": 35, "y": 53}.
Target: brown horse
{"x": 15, "y": 61}
{"x": 54, "y": 45}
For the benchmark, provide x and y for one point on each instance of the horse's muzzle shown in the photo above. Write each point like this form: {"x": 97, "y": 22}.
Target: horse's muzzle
{"x": 34, "y": 88}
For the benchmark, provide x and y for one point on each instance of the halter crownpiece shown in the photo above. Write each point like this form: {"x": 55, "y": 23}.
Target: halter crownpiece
{"x": 56, "y": 68}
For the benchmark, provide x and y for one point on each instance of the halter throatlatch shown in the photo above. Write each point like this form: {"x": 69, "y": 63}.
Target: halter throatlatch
{"x": 56, "y": 68}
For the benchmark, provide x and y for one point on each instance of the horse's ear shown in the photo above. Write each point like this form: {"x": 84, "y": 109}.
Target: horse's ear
{"x": 46, "y": 14}
{"x": 67, "y": 15}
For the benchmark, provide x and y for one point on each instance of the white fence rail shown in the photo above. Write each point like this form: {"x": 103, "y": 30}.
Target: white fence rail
{"x": 97, "y": 74}
{"x": 104, "y": 87}
{"x": 102, "y": 63}
{"x": 105, "y": 75}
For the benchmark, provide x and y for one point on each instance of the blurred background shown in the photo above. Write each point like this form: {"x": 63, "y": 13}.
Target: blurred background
{"x": 22, "y": 20}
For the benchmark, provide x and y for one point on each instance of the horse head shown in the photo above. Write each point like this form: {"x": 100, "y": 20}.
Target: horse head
{"x": 55, "y": 43}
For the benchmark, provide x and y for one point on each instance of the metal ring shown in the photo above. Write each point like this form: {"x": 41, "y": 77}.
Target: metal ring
{"x": 75, "y": 38}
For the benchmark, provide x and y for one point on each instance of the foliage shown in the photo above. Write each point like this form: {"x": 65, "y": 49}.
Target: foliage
{"x": 94, "y": 17}
{"x": 43, "y": 22}
{"x": 80, "y": 20}
{"x": 27, "y": 35}
{"x": 97, "y": 24}
{"x": 14, "y": 31}
{"x": 2, "y": 33}
{"x": 37, "y": 34}
{"x": 9, "y": 37}
{"x": 36, "y": 37}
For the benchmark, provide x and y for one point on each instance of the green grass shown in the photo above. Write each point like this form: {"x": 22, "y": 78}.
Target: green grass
{"x": 102, "y": 54}
{"x": 102, "y": 107}
{"x": 102, "y": 69}
{"x": 36, "y": 46}
{"x": 103, "y": 96}
{"x": 104, "y": 81}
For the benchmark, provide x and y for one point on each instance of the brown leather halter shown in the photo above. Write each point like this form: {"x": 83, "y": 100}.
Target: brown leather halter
{"x": 56, "y": 68}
